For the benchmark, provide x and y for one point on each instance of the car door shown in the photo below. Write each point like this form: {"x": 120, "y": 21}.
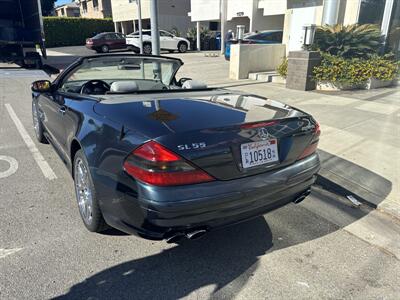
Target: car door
{"x": 120, "y": 41}
{"x": 51, "y": 111}
{"x": 167, "y": 41}
{"x": 111, "y": 40}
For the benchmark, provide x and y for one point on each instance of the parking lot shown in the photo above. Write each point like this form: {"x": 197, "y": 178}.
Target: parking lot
{"x": 322, "y": 248}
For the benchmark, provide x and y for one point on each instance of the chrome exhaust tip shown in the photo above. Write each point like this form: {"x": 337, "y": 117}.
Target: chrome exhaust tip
{"x": 175, "y": 238}
{"x": 302, "y": 196}
{"x": 196, "y": 234}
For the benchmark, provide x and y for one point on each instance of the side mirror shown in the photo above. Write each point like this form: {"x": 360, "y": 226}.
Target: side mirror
{"x": 41, "y": 86}
{"x": 182, "y": 80}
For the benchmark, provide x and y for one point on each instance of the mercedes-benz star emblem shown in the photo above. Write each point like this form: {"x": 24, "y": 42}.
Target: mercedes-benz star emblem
{"x": 263, "y": 134}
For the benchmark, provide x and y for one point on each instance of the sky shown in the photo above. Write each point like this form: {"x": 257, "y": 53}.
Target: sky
{"x": 59, "y": 2}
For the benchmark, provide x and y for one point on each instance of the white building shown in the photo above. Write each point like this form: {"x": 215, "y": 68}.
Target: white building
{"x": 172, "y": 14}
{"x": 291, "y": 15}
{"x": 237, "y": 12}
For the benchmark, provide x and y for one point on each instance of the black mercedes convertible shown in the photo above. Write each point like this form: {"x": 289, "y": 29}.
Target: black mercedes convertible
{"x": 166, "y": 158}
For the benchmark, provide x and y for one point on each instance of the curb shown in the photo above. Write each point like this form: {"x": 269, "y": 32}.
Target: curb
{"x": 338, "y": 189}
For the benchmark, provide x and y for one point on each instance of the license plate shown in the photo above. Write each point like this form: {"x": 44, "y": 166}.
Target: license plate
{"x": 259, "y": 153}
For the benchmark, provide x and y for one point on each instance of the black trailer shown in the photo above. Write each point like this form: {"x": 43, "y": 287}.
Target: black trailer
{"x": 21, "y": 32}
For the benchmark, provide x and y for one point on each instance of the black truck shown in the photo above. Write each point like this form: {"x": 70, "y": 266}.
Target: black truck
{"x": 21, "y": 32}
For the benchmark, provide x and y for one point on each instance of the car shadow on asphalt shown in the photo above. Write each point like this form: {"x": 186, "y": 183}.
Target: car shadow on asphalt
{"x": 223, "y": 260}
{"x": 218, "y": 258}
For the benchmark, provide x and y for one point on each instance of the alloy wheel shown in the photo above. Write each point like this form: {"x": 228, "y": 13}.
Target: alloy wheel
{"x": 182, "y": 48}
{"x": 83, "y": 190}
{"x": 104, "y": 49}
{"x": 147, "y": 49}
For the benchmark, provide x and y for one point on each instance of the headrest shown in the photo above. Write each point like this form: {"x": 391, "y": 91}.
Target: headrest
{"x": 124, "y": 86}
{"x": 193, "y": 84}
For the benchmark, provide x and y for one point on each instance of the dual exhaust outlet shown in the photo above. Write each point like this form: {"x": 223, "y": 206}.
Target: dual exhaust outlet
{"x": 190, "y": 235}
{"x": 196, "y": 234}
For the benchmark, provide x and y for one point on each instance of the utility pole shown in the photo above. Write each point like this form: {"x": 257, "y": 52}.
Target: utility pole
{"x": 223, "y": 22}
{"x": 198, "y": 43}
{"x": 155, "y": 34}
{"x": 139, "y": 9}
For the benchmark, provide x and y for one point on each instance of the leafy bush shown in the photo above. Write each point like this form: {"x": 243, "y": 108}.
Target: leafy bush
{"x": 73, "y": 31}
{"x": 204, "y": 32}
{"x": 282, "y": 68}
{"x": 175, "y": 31}
{"x": 355, "y": 71}
{"x": 349, "y": 41}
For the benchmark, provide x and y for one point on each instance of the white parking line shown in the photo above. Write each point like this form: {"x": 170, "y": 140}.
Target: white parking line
{"x": 42, "y": 163}
{"x": 6, "y": 252}
{"x": 13, "y": 166}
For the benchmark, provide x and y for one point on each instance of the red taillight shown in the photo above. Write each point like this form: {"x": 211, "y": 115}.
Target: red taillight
{"x": 312, "y": 147}
{"x": 154, "y": 164}
{"x": 155, "y": 152}
{"x": 257, "y": 125}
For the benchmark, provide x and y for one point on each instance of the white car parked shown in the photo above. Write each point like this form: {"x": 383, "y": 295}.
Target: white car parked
{"x": 168, "y": 42}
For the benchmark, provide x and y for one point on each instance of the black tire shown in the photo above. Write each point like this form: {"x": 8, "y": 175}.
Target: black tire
{"x": 37, "y": 125}
{"x": 37, "y": 64}
{"x": 182, "y": 47}
{"x": 105, "y": 49}
{"x": 147, "y": 48}
{"x": 96, "y": 223}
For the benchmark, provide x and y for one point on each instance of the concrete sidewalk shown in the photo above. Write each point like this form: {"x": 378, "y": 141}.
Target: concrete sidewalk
{"x": 360, "y": 141}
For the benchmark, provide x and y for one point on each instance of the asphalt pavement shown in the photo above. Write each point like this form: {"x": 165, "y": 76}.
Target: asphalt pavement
{"x": 322, "y": 248}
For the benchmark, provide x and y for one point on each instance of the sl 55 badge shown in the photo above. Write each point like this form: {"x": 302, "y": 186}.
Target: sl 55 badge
{"x": 192, "y": 146}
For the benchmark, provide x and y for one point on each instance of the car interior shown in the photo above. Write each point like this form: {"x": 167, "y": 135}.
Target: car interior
{"x": 123, "y": 75}
{"x": 104, "y": 87}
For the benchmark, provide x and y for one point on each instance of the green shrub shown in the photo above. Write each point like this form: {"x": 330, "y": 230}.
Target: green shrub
{"x": 282, "y": 68}
{"x": 355, "y": 71}
{"x": 73, "y": 31}
{"x": 349, "y": 41}
{"x": 383, "y": 68}
{"x": 204, "y": 32}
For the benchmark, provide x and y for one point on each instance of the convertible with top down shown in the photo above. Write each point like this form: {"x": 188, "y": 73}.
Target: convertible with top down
{"x": 165, "y": 158}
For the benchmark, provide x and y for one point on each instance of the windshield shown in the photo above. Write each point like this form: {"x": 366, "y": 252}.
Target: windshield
{"x": 146, "y": 73}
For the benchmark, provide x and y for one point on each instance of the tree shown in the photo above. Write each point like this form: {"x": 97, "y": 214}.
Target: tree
{"x": 47, "y": 7}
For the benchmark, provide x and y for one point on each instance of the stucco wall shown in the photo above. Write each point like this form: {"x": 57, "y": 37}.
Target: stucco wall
{"x": 172, "y": 13}
{"x": 240, "y": 8}
{"x": 261, "y": 22}
{"x": 122, "y": 10}
{"x": 351, "y": 12}
{"x": 272, "y": 7}
{"x": 103, "y": 11}
{"x": 247, "y": 59}
{"x": 205, "y": 10}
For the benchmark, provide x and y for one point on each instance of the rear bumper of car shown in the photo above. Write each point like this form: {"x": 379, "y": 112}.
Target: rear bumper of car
{"x": 159, "y": 212}
{"x": 90, "y": 46}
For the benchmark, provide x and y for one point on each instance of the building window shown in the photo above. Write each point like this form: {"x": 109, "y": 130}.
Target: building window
{"x": 96, "y": 5}
{"x": 371, "y": 12}
{"x": 62, "y": 11}
{"x": 213, "y": 26}
{"x": 84, "y": 7}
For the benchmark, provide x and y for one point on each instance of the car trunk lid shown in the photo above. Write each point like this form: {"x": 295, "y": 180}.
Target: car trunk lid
{"x": 210, "y": 128}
